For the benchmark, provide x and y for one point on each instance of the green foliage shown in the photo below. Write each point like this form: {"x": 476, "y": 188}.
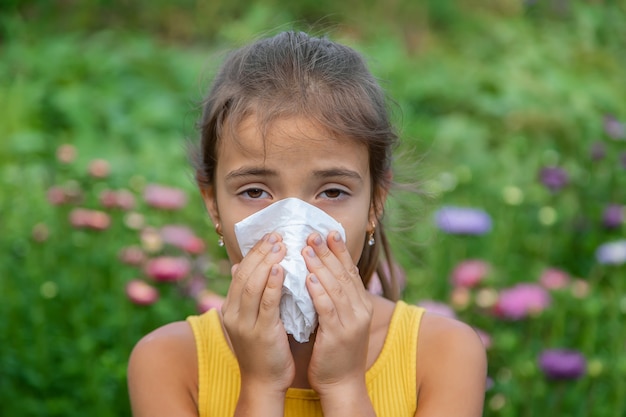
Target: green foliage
{"x": 488, "y": 94}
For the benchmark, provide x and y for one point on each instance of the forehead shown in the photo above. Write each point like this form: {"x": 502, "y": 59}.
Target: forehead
{"x": 290, "y": 136}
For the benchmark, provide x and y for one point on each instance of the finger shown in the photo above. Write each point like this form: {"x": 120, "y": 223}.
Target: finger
{"x": 341, "y": 292}
{"x": 338, "y": 246}
{"x": 269, "y": 311}
{"x": 345, "y": 274}
{"x": 242, "y": 272}
{"x": 253, "y": 289}
{"x": 324, "y": 306}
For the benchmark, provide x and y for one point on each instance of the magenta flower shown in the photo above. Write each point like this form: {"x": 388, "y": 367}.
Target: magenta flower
{"x": 437, "y": 307}
{"x": 182, "y": 237}
{"x": 554, "y": 279}
{"x": 522, "y": 300}
{"x": 614, "y": 128}
{"x": 469, "y": 273}
{"x": 165, "y": 198}
{"x": 208, "y": 300}
{"x": 613, "y": 216}
{"x": 81, "y": 218}
{"x": 168, "y": 268}
{"x": 463, "y": 220}
{"x": 141, "y": 293}
{"x": 560, "y": 364}
{"x": 612, "y": 253}
{"x": 554, "y": 178}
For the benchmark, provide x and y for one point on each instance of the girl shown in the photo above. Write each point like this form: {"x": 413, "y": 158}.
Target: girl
{"x": 299, "y": 116}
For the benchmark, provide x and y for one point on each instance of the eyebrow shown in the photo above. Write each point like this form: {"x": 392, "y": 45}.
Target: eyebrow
{"x": 250, "y": 172}
{"x": 337, "y": 173}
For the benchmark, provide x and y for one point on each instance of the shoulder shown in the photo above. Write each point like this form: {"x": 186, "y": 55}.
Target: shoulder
{"x": 452, "y": 366}
{"x": 162, "y": 372}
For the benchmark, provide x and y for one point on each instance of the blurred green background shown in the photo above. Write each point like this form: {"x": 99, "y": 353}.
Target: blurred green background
{"x": 488, "y": 94}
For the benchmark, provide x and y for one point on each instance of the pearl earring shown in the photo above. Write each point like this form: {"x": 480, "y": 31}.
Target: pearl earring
{"x": 371, "y": 241}
{"x": 220, "y": 241}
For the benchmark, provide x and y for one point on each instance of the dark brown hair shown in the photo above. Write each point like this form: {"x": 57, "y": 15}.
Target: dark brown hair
{"x": 294, "y": 74}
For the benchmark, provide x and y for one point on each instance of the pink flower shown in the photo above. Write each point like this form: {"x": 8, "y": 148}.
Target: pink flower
{"x": 208, "y": 300}
{"x": 485, "y": 338}
{"x": 165, "y": 198}
{"x": 132, "y": 255}
{"x": 99, "y": 168}
{"x": 66, "y": 153}
{"x": 141, "y": 293}
{"x": 376, "y": 287}
{"x": 40, "y": 232}
{"x": 470, "y": 273}
{"x": 438, "y": 308}
{"x": 522, "y": 300}
{"x": 89, "y": 219}
{"x": 121, "y": 199}
{"x": 168, "y": 268}
{"x": 554, "y": 279}
{"x": 56, "y": 195}
{"x": 183, "y": 238}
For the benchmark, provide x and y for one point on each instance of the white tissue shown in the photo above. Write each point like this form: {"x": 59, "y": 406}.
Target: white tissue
{"x": 294, "y": 220}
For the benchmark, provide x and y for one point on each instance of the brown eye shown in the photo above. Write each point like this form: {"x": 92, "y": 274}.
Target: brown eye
{"x": 333, "y": 193}
{"x": 255, "y": 193}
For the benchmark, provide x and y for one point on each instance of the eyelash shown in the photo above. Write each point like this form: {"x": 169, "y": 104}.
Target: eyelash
{"x": 341, "y": 193}
{"x": 338, "y": 192}
{"x": 246, "y": 193}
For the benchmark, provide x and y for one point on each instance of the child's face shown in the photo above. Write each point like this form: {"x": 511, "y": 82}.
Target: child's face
{"x": 297, "y": 159}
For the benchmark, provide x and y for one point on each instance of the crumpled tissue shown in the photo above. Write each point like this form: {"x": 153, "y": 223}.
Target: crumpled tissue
{"x": 294, "y": 220}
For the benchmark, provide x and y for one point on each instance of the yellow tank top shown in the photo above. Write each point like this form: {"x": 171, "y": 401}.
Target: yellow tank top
{"x": 390, "y": 380}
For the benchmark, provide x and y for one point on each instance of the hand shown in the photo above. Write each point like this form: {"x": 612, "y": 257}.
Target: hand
{"x": 344, "y": 311}
{"x": 251, "y": 319}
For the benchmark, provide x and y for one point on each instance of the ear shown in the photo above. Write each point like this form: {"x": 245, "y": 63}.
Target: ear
{"x": 210, "y": 202}
{"x": 379, "y": 197}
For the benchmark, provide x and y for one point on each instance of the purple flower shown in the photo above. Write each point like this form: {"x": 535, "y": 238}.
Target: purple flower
{"x": 598, "y": 151}
{"x": 613, "y": 216}
{"x": 463, "y": 220}
{"x": 561, "y": 364}
{"x": 522, "y": 300}
{"x": 614, "y": 128}
{"x": 612, "y": 253}
{"x": 554, "y": 178}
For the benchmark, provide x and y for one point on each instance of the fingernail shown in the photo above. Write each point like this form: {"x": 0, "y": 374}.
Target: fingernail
{"x": 272, "y": 238}
{"x": 274, "y": 270}
{"x": 337, "y": 237}
{"x": 310, "y": 252}
{"x": 275, "y": 248}
{"x": 317, "y": 240}
{"x": 314, "y": 279}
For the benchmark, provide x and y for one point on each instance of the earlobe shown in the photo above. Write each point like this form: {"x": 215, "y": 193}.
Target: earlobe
{"x": 210, "y": 202}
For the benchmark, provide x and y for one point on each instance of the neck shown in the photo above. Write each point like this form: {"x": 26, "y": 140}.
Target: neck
{"x": 301, "y": 357}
